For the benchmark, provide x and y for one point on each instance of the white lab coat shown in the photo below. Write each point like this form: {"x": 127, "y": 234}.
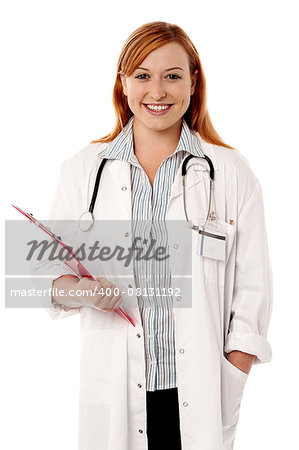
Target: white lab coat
{"x": 231, "y": 307}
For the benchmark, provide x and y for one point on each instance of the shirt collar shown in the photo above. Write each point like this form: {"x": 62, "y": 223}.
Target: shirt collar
{"x": 122, "y": 146}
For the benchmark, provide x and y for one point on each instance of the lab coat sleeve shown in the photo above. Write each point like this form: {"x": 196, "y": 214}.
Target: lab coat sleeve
{"x": 62, "y": 208}
{"x": 253, "y": 287}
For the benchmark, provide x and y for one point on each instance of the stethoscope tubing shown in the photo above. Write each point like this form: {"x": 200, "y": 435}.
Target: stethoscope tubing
{"x": 184, "y": 172}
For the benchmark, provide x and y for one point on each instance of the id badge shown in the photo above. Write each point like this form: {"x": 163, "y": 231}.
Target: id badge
{"x": 211, "y": 242}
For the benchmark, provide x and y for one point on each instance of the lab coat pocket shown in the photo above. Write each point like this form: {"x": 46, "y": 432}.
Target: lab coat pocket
{"x": 215, "y": 258}
{"x": 233, "y": 381}
{"x": 94, "y": 426}
{"x": 96, "y": 366}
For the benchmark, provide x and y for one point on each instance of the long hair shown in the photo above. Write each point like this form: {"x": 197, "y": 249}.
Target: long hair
{"x": 137, "y": 47}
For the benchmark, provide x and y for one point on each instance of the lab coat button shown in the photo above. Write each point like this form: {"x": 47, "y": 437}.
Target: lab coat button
{"x": 182, "y": 350}
{"x": 175, "y": 246}
{"x": 140, "y": 431}
{"x": 139, "y": 385}
{"x": 129, "y": 285}
{"x": 127, "y": 234}
{"x": 178, "y": 298}
{"x": 185, "y": 404}
{"x": 138, "y": 335}
{"x": 124, "y": 188}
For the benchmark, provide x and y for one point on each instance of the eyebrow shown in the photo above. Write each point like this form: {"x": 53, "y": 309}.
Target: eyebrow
{"x": 166, "y": 70}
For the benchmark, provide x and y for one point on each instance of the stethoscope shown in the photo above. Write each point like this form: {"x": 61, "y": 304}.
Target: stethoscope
{"x": 87, "y": 219}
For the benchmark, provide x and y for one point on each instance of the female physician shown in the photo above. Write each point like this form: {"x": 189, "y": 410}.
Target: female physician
{"x": 176, "y": 379}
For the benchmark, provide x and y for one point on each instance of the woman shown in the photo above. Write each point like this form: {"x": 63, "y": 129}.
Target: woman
{"x": 176, "y": 379}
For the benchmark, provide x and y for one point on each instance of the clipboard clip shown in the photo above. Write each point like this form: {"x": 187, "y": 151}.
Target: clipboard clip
{"x": 39, "y": 224}
{"x": 43, "y": 227}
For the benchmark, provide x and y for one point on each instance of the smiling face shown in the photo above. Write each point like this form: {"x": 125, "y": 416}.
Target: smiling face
{"x": 159, "y": 90}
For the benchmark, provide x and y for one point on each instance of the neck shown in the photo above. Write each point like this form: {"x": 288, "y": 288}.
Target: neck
{"x": 155, "y": 143}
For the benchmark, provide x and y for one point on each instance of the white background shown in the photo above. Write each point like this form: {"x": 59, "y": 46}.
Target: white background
{"x": 56, "y": 89}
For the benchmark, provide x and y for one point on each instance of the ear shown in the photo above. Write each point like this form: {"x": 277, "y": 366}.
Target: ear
{"x": 193, "y": 83}
{"x": 124, "y": 84}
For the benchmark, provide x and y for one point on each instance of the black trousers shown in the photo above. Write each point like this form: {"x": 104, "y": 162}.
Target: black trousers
{"x": 163, "y": 420}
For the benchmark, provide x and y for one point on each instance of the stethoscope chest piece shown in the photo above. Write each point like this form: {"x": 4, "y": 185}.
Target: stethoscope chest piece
{"x": 86, "y": 221}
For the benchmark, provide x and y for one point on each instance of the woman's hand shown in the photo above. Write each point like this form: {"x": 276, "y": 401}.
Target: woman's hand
{"x": 243, "y": 361}
{"x": 100, "y": 294}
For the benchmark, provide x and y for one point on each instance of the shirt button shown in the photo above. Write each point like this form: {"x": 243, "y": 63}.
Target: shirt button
{"x": 175, "y": 246}
{"x": 139, "y": 385}
{"x": 138, "y": 335}
{"x": 185, "y": 404}
{"x": 182, "y": 350}
{"x": 140, "y": 431}
{"x": 124, "y": 188}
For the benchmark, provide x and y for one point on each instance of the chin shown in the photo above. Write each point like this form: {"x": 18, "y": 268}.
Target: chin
{"x": 161, "y": 126}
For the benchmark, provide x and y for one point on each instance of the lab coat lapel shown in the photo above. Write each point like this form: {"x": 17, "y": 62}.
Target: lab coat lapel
{"x": 116, "y": 189}
{"x": 115, "y": 205}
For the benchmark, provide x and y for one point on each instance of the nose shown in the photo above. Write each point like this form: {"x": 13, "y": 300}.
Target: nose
{"x": 157, "y": 90}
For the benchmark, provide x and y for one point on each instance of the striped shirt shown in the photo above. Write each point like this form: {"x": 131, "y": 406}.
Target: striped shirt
{"x": 149, "y": 206}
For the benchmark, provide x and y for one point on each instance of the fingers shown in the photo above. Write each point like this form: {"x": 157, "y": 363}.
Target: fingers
{"x": 113, "y": 302}
{"x": 117, "y": 301}
{"x": 109, "y": 297}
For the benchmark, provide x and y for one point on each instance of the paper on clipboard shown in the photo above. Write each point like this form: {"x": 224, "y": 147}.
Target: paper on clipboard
{"x": 74, "y": 264}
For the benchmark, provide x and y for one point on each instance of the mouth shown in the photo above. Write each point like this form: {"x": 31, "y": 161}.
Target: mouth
{"x": 157, "y": 109}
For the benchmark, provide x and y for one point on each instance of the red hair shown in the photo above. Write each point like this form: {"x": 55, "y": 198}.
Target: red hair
{"x": 137, "y": 47}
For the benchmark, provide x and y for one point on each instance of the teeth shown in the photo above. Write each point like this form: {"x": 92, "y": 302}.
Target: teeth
{"x": 158, "y": 108}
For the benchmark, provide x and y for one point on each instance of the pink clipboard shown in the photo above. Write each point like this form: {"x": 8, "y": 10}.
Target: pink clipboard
{"x": 74, "y": 264}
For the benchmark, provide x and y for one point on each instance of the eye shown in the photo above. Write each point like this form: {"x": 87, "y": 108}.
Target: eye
{"x": 141, "y": 75}
{"x": 169, "y": 75}
{"x": 173, "y": 75}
